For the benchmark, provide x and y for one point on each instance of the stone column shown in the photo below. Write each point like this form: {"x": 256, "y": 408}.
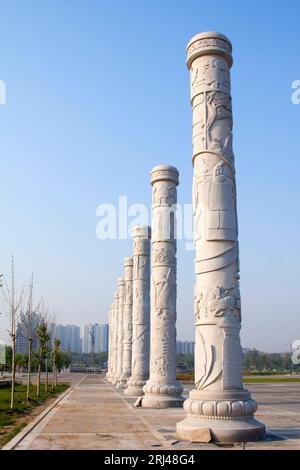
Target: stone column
{"x": 219, "y": 404}
{"x": 109, "y": 360}
{"x": 114, "y": 338}
{"x": 121, "y": 289}
{"x": 140, "y": 310}
{"x": 162, "y": 390}
{"x": 127, "y": 324}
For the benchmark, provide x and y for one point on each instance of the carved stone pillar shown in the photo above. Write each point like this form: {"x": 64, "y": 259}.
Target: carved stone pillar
{"x": 113, "y": 378}
{"x": 162, "y": 390}
{"x": 219, "y": 401}
{"x": 121, "y": 292}
{"x": 127, "y": 326}
{"x": 109, "y": 360}
{"x": 140, "y": 310}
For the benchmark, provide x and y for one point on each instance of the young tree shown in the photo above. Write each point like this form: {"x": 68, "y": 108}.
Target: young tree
{"x": 43, "y": 337}
{"x": 63, "y": 360}
{"x": 55, "y": 354}
{"x": 21, "y": 362}
{"x": 29, "y": 322}
{"x": 12, "y": 302}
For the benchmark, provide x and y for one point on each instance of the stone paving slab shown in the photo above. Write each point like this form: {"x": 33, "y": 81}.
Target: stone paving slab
{"x": 95, "y": 415}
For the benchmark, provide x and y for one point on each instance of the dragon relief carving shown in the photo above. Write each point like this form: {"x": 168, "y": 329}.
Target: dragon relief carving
{"x": 217, "y": 302}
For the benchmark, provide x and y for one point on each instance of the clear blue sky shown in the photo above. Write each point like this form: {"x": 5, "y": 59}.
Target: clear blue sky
{"x": 98, "y": 94}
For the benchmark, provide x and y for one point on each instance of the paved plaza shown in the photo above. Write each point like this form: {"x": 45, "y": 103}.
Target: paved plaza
{"x": 95, "y": 415}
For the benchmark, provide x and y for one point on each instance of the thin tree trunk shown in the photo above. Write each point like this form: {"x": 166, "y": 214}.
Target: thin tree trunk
{"x": 38, "y": 380}
{"x": 46, "y": 381}
{"x": 53, "y": 374}
{"x": 13, "y": 372}
{"x": 29, "y": 369}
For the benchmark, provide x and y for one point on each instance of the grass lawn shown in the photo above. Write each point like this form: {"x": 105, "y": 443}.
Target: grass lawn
{"x": 252, "y": 380}
{"x": 12, "y": 421}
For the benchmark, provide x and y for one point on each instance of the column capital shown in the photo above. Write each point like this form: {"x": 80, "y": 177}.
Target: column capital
{"x": 128, "y": 261}
{"x": 121, "y": 281}
{"x": 209, "y": 43}
{"x": 164, "y": 173}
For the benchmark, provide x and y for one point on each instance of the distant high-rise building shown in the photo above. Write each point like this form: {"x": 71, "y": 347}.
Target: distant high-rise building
{"x": 86, "y": 339}
{"x": 179, "y": 349}
{"x": 96, "y": 331}
{"x": 185, "y": 347}
{"x": 69, "y": 336}
{"x": 95, "y": 338}
{"x": 104, "y": 337}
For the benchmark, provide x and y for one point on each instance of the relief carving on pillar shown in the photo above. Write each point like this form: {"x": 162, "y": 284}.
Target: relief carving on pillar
{"x": 164, "y": 194}
{"x": 208, "y": 362}
{"x": 128, "y": 292}
{"x": 221, "y": 409}
{"x": 158, "y": 360}
{"x": 212, "y": 305}
{"x": 217, "y": 302}
{"x": 210, "y": 74}
{"x": 140, "y": 266}
{"x": 164, "y": 254}
{"x": 209, "y": 43}
{"x": 164, "y": 290}
{"x": 140, "y": 332}
{"x": 214, "y": 200}
{"x": 208, "y": 133}
{"x": 141, "y": 298}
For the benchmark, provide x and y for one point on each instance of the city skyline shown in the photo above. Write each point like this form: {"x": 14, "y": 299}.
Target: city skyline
{"x": 67, "y": 153}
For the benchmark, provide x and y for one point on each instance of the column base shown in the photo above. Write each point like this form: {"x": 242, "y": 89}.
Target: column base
{"x": 123, "y": 381}
{"x": 135, "y": 388}
{"x": 162, "y": 395}
{"x": 162, "y": 401}
{"x": 224, "y": 431}
{"x": 220, "y": 416}
{"x": 121, "y": 384}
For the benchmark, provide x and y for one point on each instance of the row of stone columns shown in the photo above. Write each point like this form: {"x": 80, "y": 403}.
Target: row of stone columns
{"x": 133, "y": 364}
{"x": 219, "y": 404}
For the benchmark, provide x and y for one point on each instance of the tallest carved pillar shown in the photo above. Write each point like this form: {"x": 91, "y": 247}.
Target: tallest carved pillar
{"x": 219, "y": 402}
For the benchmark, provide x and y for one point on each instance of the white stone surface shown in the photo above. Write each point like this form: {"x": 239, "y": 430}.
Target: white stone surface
{"x": 162, "y": 390}
{"x": 140, "y": 310}
{"x": 127, "y": 324}
{"x": 113, "y": 377}
{"x": 109, "y": 359}
{"x": 219, "y": 400}
{"x": 121, "y": 292}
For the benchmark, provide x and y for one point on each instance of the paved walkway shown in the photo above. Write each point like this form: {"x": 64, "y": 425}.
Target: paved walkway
{"x": 94, "y": 415}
